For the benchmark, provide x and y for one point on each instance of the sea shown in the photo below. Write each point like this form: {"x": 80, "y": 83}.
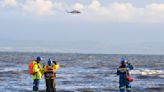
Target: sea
{"x": 82, "y": 72}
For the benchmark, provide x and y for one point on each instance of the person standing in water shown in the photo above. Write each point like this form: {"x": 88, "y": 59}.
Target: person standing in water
{"x": 50, "y": 75}
{"x": 36, "y": 73}
{"x": 124, "y": 76}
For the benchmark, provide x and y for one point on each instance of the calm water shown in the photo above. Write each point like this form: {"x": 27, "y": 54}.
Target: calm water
{"x": 82, "y": 72}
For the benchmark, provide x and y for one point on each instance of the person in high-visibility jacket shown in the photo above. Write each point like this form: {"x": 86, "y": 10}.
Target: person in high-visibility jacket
{"x": 50, "y": 75}
{"x": 124, "y": 76}
{"x": 37, "y": 76}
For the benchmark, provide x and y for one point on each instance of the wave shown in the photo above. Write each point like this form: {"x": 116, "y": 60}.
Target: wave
{"x": 148, "y": 72}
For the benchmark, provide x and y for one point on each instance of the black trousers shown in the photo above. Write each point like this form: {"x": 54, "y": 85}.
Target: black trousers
{"x": 50, "y": 85}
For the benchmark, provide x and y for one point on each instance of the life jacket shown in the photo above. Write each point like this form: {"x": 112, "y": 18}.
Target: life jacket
{"x": 31, "y": 66}
{"x": 50, "y": 72}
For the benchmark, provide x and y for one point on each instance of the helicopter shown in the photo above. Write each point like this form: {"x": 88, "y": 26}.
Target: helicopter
{"x": 74, "y": 12}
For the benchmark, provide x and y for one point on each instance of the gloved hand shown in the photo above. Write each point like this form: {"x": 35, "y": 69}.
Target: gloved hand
{"x": 54, "y": 62}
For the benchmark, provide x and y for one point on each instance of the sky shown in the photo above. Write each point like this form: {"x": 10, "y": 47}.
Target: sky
{"x": 104, "y": 26}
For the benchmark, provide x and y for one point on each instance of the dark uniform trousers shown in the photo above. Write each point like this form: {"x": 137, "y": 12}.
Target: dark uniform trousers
{"x": 50, "y": 85}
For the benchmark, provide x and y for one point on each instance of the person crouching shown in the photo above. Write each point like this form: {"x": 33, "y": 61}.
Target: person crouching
{"x": 50, "y": 75}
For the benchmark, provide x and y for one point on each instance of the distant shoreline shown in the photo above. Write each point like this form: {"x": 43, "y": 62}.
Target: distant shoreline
{"x": 81, "y": 53}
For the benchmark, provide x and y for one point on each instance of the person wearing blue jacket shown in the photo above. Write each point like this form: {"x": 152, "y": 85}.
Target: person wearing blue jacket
{"x": 123, "y": 72}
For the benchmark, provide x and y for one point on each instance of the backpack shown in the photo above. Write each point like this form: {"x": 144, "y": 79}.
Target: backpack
{"x": 31, "y": 66}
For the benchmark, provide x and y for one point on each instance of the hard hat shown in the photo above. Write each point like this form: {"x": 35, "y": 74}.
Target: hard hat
{"x": 39, "y": 58}
{"x": 49, "y": 62}
{"x": 123, "y": 61}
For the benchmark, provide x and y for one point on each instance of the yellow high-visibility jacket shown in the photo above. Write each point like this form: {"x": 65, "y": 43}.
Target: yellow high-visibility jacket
{"x": 54, "y": 69}
{"x": 38, "y": 71}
